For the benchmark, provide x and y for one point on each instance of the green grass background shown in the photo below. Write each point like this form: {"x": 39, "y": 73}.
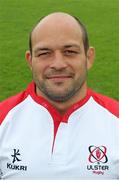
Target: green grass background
{"x": 101, "y": 18}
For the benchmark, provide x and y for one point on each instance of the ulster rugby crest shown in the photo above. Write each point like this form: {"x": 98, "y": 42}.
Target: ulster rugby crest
{"x": 98, "y": 159}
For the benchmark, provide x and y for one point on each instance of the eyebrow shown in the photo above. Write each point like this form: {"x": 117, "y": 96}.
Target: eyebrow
{"x": 72, "y": 45}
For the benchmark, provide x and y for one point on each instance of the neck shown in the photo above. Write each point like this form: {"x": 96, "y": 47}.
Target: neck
{"x": 62, "y": 107}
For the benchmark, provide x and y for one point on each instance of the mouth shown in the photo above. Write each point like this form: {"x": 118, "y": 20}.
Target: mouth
{"x": 59, "y": 78}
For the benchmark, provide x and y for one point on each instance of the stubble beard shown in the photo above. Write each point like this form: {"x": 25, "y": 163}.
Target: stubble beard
{"x": 60, "y": 97}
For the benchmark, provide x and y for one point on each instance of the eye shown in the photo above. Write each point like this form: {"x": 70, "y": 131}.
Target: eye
{"x": 43, "y": 54}
{"x": 70, "y": 52}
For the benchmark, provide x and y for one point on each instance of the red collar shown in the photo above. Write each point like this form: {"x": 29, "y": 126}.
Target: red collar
{"x": 55, "y": 114}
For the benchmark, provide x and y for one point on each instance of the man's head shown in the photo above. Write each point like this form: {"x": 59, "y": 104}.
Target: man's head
{"x": 59, "y": 57}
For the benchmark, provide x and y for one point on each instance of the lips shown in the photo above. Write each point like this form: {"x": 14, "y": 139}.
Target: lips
{"x": 59, "y": 78}
{"x": 64, "y": 76}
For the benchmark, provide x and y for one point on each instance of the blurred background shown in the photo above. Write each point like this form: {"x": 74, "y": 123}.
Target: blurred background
{"x": 17, "y": 18}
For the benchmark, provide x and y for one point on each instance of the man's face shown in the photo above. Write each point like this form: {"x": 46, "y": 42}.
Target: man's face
{"x": 58, "y": 62}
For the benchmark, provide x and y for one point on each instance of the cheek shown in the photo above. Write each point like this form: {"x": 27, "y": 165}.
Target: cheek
{"x": 80, "y": 68}
{"x": 81, "y": 62}
{"x": 39, "y": 70}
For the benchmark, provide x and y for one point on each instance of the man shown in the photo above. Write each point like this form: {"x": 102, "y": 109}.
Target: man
{"x": 58, "y": 128}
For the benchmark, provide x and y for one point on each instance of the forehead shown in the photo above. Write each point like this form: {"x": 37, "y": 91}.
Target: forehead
{"x": 57, "y": 30}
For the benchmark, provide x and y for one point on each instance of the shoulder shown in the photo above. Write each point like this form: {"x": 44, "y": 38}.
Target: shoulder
{"x": 10, "y": 103}
{"x": 108, "y": 103}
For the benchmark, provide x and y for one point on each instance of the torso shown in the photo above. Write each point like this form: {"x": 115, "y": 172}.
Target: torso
{"x": 82, "y": 144}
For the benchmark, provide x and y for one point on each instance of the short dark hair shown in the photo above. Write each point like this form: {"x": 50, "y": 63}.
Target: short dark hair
{"x": 84, "y": 33}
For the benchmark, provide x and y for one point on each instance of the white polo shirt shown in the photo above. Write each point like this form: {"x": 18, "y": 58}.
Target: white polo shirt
{"x": 36, "y": 142}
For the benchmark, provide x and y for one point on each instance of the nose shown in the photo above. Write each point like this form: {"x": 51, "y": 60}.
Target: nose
{"x": 58, "y": 61}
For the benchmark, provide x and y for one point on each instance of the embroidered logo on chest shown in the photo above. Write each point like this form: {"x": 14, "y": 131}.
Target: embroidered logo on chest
{"x": 97, "y": 160}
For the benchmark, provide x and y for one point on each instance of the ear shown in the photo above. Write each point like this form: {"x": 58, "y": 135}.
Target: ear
{"x": 28, "y": 57}
{"x": 90, "y": 57}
